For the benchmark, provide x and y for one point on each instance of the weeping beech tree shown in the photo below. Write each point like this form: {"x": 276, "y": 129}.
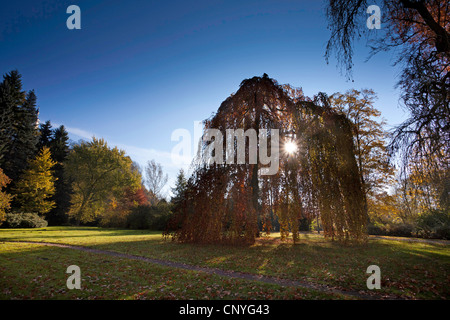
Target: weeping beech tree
{"x": 225, "y": 200}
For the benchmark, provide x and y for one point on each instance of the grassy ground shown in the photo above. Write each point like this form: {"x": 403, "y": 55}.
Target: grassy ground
{"x": 408, "y": 270}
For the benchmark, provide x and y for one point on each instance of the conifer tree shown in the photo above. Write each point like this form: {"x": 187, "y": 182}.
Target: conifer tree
{"x": 179, "y": 189}
{"x": 60, "y": 149}
{"x": 45, "y": 135}
{"x": 18, "y": 125}
{"x": 37, "y": 185}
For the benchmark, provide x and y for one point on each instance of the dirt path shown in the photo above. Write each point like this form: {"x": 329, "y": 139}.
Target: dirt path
{"x": 431, "y": 241}
{"x": 220, "y": 272}
{"x": 405, "y": 239}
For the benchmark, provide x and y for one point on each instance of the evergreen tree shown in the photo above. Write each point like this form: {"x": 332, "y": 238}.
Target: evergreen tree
{"x": 45, "y": 135}
{"x": 13, "y": 82}
{"x": 59, "y": 149}
{"x": 11, "y": 96}
{"x": 179, "y": 189}
{"x": 6, "y": 120}
{"x": 18, "y": 125}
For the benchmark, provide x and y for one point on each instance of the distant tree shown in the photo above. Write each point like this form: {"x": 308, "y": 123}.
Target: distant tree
{"x": 179, "y": 189}
{"x": 136, "y": 166}
{"x": 418, "y": 31}
{"x": 6, "y": 121}
{"x": 121, "y": 207}
{"x": 155, "y": 178}
{"x": 5, "y": 199}
{"x": 59, "y": 146}
{"x": 150, "y": 197}
{"x": 370, "y": 140}
{"x": 36, "y": 185}
{"x": 407, "y": 199}
{"x": 384, "y": 207}
{"x": 98, "y": 174}
{"x": 18, "y": 125}
{"x": 45, "y": 135}
{"x": 422, "y": 187}
{"x": 137, "y": 197}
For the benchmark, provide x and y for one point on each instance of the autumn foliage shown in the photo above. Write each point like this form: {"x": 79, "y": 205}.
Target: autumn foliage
{"x": 223, "y": 203}
{"x": 5, "y": 198}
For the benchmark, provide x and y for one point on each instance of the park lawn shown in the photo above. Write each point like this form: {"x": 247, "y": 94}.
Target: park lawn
{"x": 32, "y": 271}
{"x": 410, "y": 270}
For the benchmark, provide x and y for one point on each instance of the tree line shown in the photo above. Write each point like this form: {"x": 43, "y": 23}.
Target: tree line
{"x": 46, "y": 178}
{"x": 418, "y": 34}
{"x": 404, "y": 174}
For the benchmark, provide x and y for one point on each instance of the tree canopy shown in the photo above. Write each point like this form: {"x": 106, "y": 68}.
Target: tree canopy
{"x": 5, "y": 199}
{"x": 37, "y": 184}
{"x": 418, "y": 31}
{"x": 370, "y": 140}
{"x": 19, "y": 132}
{"x": 99, "y": 175}
{"x": 223, "y": 202}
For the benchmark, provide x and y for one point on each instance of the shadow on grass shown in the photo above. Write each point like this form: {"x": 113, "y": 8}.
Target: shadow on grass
{"x": 33, "y": 271}
{"x": 312, "y": 258}
{"x": 50, "y": 233}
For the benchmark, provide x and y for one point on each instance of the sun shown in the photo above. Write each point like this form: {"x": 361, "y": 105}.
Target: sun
{"x": 290, "y": 147}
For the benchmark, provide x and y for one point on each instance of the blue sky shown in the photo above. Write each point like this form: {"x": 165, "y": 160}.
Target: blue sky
{"x": 138, "y": 70}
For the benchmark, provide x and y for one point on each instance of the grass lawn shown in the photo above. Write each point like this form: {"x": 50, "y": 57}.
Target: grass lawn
{"x": 411, "y": 270}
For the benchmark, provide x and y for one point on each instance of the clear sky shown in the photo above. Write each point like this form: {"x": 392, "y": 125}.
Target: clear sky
{"x": 137, "y": 70}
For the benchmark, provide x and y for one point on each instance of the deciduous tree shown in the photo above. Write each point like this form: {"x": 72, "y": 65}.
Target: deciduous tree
{"x": 370, "y": 139}
{"x": 98, "y": 174}
{"x": 419, "y": 32}
{"x": 223, "y": 202}
{"x": 5, "y": 199}
{"x": 155, "y": 178}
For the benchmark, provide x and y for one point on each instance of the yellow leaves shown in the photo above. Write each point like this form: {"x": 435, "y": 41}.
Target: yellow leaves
{"x": 5, "y": 198}
{"x": 114, "y": 203}
{"x": 98, "y": 173}
{"x": 36, "y": 185}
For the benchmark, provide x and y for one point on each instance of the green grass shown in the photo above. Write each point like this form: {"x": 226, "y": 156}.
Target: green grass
{"x": 408, "y": 270}
{"x": 30, "y": 271}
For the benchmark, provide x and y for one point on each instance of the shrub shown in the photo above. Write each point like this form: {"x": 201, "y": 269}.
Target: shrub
{"x": 391, "y": 229}
{"x": 114, "y": 218}
{"x": 304, "y": 224}
{"x": 400, "y": 230}
{"x": 376, "y": 230}
{"x": 150, "y": 217}
{"x": 139, "y": 217}
{"x": 434, "y": 224}
{"x": 24, "y": 220}
{"x": 162, "y": 214}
